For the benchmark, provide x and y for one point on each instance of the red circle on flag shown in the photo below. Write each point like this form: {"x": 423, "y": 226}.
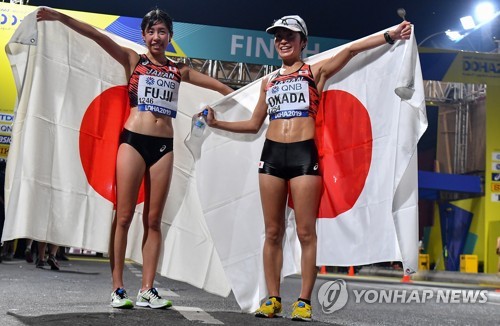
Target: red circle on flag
{"x": 344, "y": 139}
{"x": 99, "y": 139}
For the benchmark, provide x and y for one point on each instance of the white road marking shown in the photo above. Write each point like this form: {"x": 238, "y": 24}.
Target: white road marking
{"x": 196, "y": 314}
{"x": 167, "y": 293}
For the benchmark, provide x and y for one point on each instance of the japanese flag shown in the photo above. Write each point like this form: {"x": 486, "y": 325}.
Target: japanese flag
{"x": 60, "y": 182}
{"x": 372, "y": 115}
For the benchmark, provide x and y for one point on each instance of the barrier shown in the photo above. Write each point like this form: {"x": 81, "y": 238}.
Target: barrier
{"x": 468, "y": 264}
{"x": 423, "y": 262}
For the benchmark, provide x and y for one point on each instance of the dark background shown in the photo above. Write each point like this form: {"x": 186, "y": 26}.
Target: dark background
{"x": 343, "y": 19}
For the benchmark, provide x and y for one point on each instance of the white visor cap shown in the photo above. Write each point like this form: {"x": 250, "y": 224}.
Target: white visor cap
{"x": 292, "y": 22}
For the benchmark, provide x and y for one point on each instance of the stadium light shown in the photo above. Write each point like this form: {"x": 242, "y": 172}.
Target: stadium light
{"x": 467, "y": 22}
{"x": 455, "y": 36}
{"x": 484, "y": 12}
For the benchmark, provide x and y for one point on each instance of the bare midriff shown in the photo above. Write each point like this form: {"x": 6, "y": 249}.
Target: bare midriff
{"x": 291, "y": 130}
{"x": 148, "y": 123}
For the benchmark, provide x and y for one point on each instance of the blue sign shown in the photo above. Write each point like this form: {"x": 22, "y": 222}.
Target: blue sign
{"x": 221, "y": 43}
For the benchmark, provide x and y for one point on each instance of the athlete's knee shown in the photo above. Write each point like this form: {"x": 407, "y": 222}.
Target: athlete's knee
{"x": 154, "y": 222}
{"x": 155, "y": 226}
{"x": 124, "y": 221}
{"x": 275, "y": 235}
{"x": 306, "y": 235}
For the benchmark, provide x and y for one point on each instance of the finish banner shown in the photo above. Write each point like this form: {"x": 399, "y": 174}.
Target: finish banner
{"x": 189, "y": 40}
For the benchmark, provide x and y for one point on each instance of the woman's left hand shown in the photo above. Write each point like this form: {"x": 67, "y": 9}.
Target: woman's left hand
{"x": 208, "y": 113}
{"x": 402, "y": 32}
{"x": 210, "y": 117}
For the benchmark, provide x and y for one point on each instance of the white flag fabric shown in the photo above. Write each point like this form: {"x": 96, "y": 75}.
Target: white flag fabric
{"x": 60, "y": 171}
{"x": 372, "y": 115}
{"x": 369, "y": 210}
{"x": 59, "y": 188}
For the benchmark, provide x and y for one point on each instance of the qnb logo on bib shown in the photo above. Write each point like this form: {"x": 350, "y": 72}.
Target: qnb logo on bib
{"x": 333, "y": 296}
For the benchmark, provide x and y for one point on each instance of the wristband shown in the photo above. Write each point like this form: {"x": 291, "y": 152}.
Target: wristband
{"x": 388, "y": 38}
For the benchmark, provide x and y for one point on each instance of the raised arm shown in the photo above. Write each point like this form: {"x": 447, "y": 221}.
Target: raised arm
{"x": 252, "y": 125}
{"x": 125, "y": 56}
{"x": 329, "y": 67}
{"x": 197, "y": 78}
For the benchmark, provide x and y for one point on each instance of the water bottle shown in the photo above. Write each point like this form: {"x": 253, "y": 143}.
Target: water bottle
{"x": 199, "y": 124}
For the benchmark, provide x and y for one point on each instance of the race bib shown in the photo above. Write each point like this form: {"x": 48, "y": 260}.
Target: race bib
{"x": 288, "y": 100}
{"x": 157, "y": 95}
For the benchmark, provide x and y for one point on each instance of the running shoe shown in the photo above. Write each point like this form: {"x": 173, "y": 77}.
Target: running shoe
{"x": 28, "y": 256}
{"x": 269, "y": 309}
{"x": 302, "y": 311}
{"x": 119, "y": 299}
{"x": 40, "y": 263}
{"x": 52, "y": 261}
{"x": 151, "y": 298}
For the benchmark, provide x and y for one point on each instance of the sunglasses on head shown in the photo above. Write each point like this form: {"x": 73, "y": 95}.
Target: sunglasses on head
{"x": 285, "y": 21}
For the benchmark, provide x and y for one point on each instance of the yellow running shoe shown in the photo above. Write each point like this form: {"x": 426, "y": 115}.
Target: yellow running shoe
{"x": 302, "y": 311}
{"x": 269, "y": 309}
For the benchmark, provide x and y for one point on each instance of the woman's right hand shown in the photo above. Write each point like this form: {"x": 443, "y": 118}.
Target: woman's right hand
{"x": 45, "y": 13}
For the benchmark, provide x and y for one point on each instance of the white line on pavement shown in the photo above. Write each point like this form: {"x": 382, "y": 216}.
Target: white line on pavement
{"x": 167, "y": 293}
{"x": 196, "y": 314}
{"x": 162, "y": 292}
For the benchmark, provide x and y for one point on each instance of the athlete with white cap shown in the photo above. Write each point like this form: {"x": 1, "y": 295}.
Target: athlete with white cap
{"x": 289, "y": 161}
